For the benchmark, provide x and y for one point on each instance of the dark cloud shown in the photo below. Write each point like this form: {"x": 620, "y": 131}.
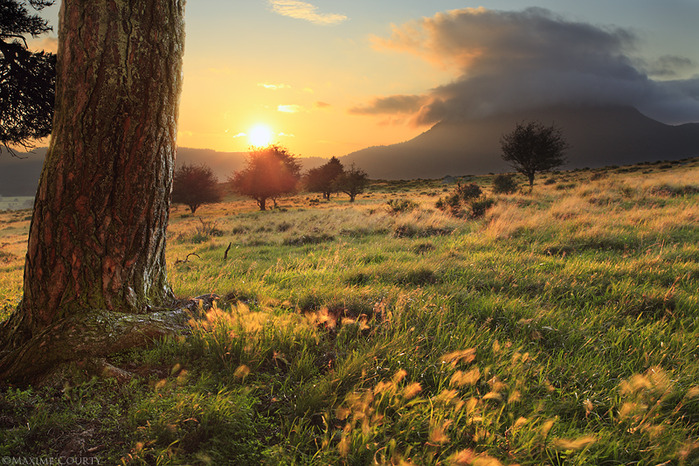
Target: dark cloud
{"x": 510, "y": 61}
{"x": 391, "y": 105}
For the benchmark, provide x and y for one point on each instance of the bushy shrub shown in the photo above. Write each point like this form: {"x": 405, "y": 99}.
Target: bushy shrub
{"x": 472, "y": 196}
{"x": 504, "y": 184}
{"x": 468, "y": 191}
{"x": 480, "y": 206}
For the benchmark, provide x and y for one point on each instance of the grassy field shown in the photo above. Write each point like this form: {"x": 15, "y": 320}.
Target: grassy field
{"x": 560, "y": 328}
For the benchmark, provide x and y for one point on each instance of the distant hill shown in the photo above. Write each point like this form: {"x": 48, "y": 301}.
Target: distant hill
{"x": 20, "y": 176}
{"x": 598, "y": 136}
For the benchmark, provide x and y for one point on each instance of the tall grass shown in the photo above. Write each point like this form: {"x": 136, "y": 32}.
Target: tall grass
{"x": 559, "y": 329}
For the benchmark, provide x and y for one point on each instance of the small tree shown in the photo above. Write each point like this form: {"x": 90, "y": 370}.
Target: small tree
{"x": 194, "y": 185}
{"x": 352, "y": 182}
{"x": 27, "y": 80}
{"x": 322, "y": 179}
{"x": 271, "y": 172}
{"x": 534, "y": 147}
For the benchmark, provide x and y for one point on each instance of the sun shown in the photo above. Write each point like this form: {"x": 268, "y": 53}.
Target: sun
{"x": 260, "y": 136}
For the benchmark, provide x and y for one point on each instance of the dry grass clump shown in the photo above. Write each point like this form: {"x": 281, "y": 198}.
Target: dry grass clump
{"x": 600, "y": 211}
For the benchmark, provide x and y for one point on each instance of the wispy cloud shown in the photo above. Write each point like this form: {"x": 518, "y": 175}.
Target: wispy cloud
{"x": 274, "y": 87}
{"x": 306, "y": 11}
{"x": 669, "y": 66}
{"x": 289, "y": 108}
{"x": 240, "y": 135}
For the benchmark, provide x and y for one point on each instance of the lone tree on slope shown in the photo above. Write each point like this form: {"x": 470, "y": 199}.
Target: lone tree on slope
{"x": 27, "y": 79}
{"x": 95, "y": 266}
{"x": 534, "y": 147}
{"x": 352, "y": 182}
{"x": 271, "y": 172}
{"x": 323, "y": 179}
{"x": 195, "y": 185}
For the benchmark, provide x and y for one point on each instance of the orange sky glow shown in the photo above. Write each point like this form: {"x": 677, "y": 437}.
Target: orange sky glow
{"x": 326, "y": 79}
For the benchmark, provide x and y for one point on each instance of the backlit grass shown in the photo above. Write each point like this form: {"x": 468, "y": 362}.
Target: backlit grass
{"x": 561, "y": 328}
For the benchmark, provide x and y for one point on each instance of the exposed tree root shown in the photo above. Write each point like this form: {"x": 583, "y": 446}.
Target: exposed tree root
{"x": 89, "y": 337}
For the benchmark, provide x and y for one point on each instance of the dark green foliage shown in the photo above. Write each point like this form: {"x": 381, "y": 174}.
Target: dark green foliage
{"x": 468, "y": 191}
{"x": 323, "y": 179}
{"x": 423, "y": 248}
{"x": 352, "y": 182}
{"x": 194, "y": 185}
{"x": 565, "y": 186}
{"x": 534, "y": 147}
{"x": 27, "y": 79}
{"x": 480, "y": 206}
{"x": 308, "y": 239}
{"x": 270, "y": 173}
{"x": 504, "y": 184}
{"x": 396, "y": 206}
{"x": 469, "y": 195}
{"x": 676, "y": 191}
{"x": 409, "y": 230}
{"x": 452, "y": 202}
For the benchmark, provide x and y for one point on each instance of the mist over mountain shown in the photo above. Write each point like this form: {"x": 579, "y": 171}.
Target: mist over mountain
{"x": 19, "y": 176}
{"x": 598, "y": 136}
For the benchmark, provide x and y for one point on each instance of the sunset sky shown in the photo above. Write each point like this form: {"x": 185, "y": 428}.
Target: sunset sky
{"x": 329, "y": 77}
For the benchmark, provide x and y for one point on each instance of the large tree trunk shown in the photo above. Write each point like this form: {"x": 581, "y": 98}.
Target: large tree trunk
{"x": 97, "y": 237}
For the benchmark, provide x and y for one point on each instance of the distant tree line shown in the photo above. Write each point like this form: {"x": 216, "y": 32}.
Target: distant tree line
{"x": 332, "y": 178}
{"x": 269, "y": 173}
{"x": 273, "y": 172}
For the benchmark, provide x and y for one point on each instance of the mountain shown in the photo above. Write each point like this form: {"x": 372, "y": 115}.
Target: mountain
{"x": 598, "y": 136}
{"x": 20, "y": 176}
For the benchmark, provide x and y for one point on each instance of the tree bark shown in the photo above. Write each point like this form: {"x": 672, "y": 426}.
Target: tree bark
{"x": 98, "y": 232}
